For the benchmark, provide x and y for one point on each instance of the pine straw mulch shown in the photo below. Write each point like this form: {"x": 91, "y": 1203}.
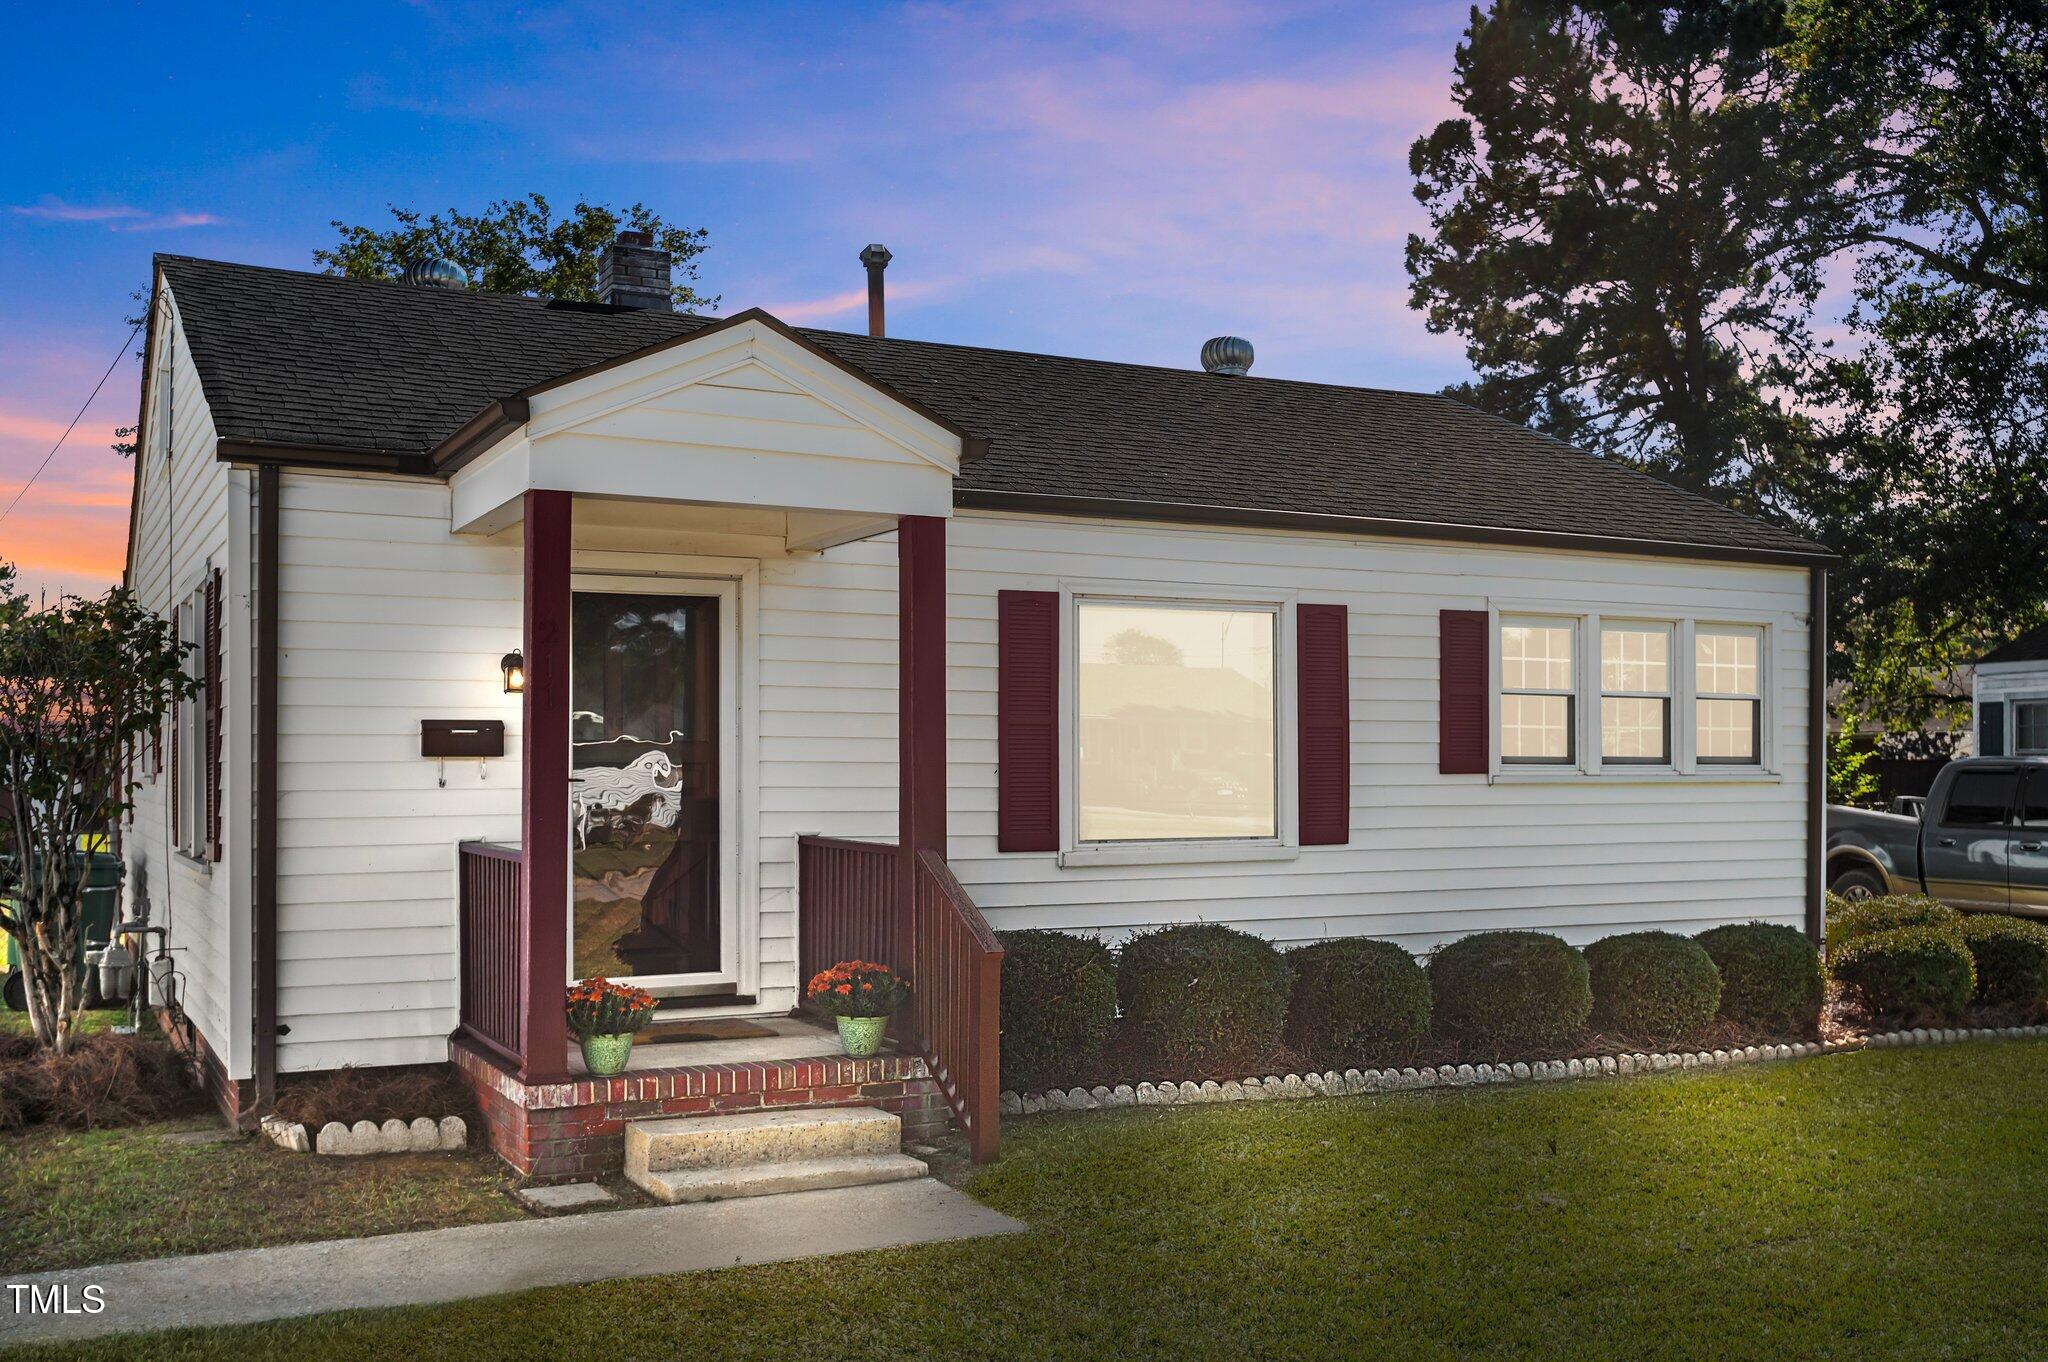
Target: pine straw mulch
{"x": 401, "y": 1093}
{"x": 106, "y": 1081}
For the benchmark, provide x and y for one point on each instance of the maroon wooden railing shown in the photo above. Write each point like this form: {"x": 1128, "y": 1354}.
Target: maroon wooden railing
{"x": 847, "y": 903}
{"x": 849, "y": 909}
{"x": 956, "y": 973}
{"x": 491, "y": 916}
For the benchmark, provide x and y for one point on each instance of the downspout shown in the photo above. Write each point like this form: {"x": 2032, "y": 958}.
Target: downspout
{"x": 1816, "y": 748}
{"x": 264, "y": 898}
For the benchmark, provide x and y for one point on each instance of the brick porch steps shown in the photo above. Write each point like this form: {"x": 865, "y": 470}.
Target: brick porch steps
{"x": 713, "y": 1158}
{"x": 576, "y": 1130}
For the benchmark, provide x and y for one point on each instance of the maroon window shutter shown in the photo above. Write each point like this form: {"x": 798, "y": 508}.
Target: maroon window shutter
{"x": 213, "y": 715}
{"x": 1027, "y": 720}
{"x": 1322, "y": 678}
{"x": 1461, "y": 714}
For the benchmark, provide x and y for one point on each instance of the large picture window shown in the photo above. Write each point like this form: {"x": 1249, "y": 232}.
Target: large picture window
{"x": 1728, "y": 684}
{"x": 1635, "y": 694}
{"x": 1176, "y": 721}
{"x": 1538, "y": 695}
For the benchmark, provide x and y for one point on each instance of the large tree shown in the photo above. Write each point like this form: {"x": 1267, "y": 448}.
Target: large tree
{"x": 1615, "y": 218}
{"x": 81, "y": 683}
{"x": 516, "y": 246}
{"x": 1940, "y": 108}
{"x": 1935, "y": 423}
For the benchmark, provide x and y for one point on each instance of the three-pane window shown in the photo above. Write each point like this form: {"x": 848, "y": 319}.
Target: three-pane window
{"x": 1651, "y": 702}
{"x": 1635, "y": 694}
{"x": 1728, "y": 686}
{"x": 1538, "y": 692}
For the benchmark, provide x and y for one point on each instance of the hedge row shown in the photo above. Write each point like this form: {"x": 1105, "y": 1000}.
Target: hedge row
{"x": 1911, "y": 958}
{"x": 1206, "y": 998}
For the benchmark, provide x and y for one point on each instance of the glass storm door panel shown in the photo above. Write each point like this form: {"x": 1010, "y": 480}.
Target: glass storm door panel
{"x": 644, "y": 785}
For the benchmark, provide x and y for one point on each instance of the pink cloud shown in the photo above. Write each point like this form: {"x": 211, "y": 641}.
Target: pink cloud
{"x": 852, "y": 302}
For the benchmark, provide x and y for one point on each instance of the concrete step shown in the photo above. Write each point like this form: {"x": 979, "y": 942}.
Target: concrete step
{"x": 751, "y": 1139}
{"x": 767, "y": 1179}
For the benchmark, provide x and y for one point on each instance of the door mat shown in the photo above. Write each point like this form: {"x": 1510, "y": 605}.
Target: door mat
{"x": 720, "y": 1028}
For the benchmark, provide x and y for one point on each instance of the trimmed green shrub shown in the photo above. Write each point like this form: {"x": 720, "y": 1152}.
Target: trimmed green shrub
{"x": 2011, "y": 955}
{"x": 1847, "y": 921}
{"x": 1353, "y": 999}
{"x": 1908, "y": 973}
{"x": 1770, "y": 975}
{"x": 1653, "y": 984}
{"x": 1202, "y": 997}
{"x": 1058, "y": 1005}
{"x": 1499, "y": 992}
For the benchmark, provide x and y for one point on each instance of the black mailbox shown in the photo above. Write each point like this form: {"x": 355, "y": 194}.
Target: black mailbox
{"x": 462, "y": 737}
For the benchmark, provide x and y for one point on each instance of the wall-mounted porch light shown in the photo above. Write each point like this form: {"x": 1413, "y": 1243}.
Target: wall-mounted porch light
{"x": 513, "y": 664}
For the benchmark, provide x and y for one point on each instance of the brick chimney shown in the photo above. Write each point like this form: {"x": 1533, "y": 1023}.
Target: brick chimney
{"x": 634, "y": 272}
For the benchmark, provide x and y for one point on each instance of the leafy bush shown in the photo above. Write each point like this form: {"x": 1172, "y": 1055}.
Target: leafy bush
{"x": 1353, "y": 998}
{"x": 1847, "y": 921}
{"x": 2011, "y": 955}
{"x": 1509, "y": 991}
{"x": 1908, "y": 973}
{"x": 1059, "y": 1002}
{"x": 1203, "y": 997}
{"x": 1652, "y": 984}
{"x": 1770, "y": 975}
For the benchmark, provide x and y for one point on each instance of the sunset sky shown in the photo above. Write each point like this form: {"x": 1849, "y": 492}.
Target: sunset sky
{"x": 1110, "y": 180}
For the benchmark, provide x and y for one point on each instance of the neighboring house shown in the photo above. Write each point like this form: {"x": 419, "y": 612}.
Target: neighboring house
{"x": 1100, "y": 646}
{"x": 2010, "y": 695}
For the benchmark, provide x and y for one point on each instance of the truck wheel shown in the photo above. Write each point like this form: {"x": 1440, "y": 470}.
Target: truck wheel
{"x": 16, "y": 991}
{"x": 1856, "y": 883}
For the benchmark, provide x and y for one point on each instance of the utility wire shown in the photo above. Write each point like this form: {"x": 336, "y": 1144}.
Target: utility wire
{"x": 73, "y": 426}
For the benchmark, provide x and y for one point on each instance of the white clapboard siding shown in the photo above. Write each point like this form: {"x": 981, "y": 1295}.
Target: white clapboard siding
{"x": 1430, "y": 857}
{"x": 191, "y": 516}
{"x": 386, "y": 619}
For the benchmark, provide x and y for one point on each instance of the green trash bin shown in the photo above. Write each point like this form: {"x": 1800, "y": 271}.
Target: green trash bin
{"x": 101, "y": 906}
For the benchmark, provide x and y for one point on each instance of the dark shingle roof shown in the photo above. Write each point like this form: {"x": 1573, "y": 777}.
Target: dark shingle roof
{"x": 299, "y": 359}
{"x": 2031, "y": 646}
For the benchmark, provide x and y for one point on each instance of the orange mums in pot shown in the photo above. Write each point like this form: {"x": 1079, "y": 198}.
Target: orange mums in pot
{"x": 857, "y": 988}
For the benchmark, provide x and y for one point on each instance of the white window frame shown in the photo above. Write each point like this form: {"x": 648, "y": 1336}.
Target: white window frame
{"x": 1669, "y": 695}
{"x": 1773, "y": 630}
{"x": 1765, "y": 665}
{"x": 1285, "y": 844}
{"x": 1575, "y": 706}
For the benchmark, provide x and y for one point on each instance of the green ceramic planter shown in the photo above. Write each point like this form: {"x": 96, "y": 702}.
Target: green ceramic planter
{"x": 606, "y": 1055}
{"x": 862, "y": 1036}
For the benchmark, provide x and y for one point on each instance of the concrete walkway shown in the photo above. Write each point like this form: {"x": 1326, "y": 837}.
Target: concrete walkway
{"x": 252, "y": 1285}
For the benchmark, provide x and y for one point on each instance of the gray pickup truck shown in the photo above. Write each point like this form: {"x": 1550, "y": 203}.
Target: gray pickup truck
{"x": 1979, "y": 840}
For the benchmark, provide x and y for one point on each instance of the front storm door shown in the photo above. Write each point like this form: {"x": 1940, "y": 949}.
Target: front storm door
{"x": 647, "y": 787}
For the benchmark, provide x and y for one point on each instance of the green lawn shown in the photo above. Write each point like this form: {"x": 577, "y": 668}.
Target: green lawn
{"x": 73, "y": 1198}
{"x": 14, "y": 1023}
{"x": 1876, "y": 1205}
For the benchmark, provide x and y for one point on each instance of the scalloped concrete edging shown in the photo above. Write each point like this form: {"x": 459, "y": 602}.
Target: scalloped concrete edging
{"x": 1352, "y": 1082}
{"x": 422, "y": 1135}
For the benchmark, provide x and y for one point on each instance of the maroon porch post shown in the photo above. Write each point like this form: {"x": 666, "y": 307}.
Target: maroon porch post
{"x": 544, "y": 795}
{"x": 921, "y": 707}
